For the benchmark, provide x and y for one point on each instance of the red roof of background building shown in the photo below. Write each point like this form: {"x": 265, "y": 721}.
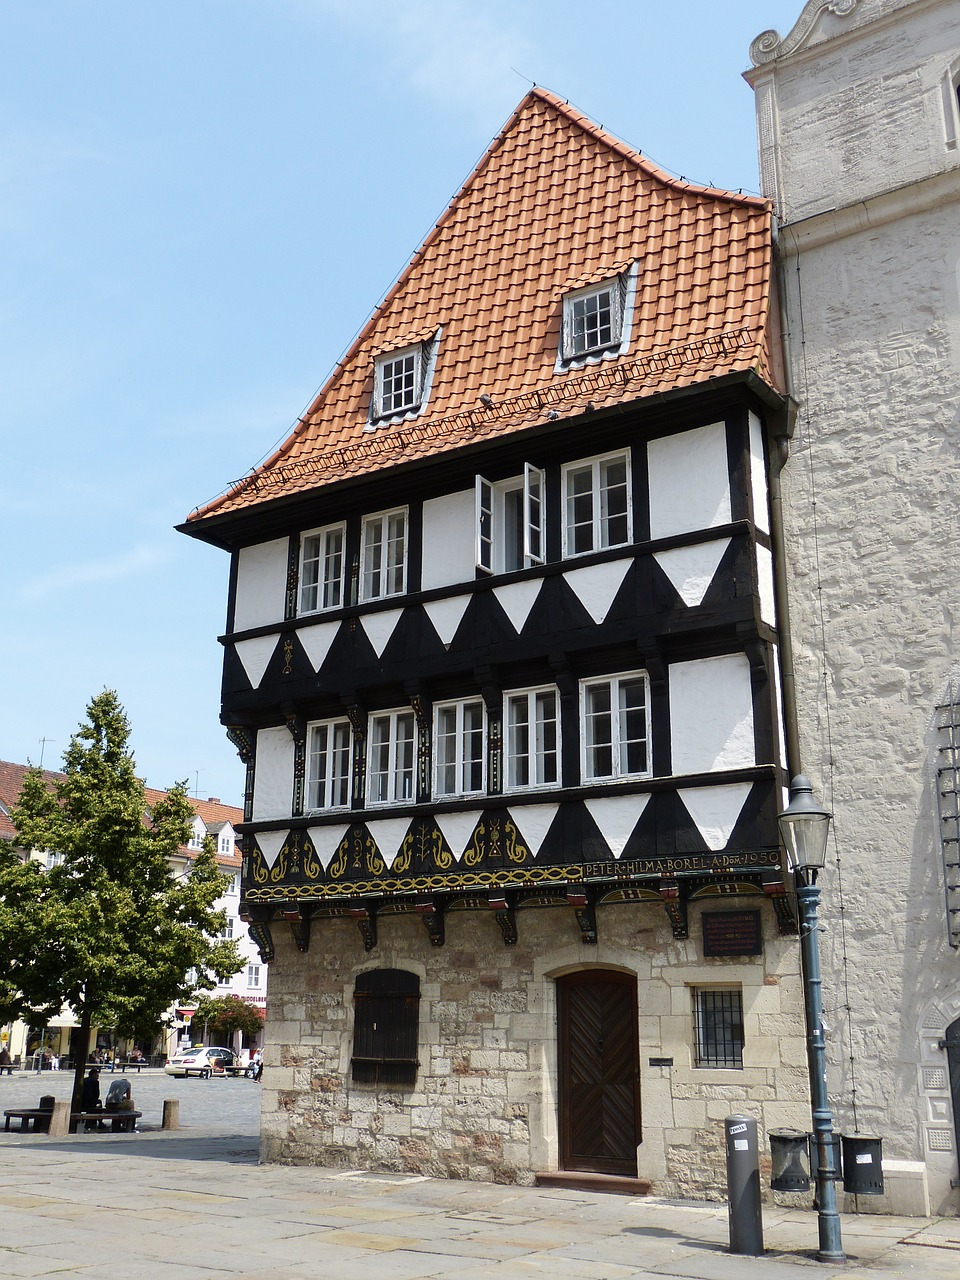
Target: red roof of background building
{"x": 212, "y": 812}
{"x": 555, "y": 203}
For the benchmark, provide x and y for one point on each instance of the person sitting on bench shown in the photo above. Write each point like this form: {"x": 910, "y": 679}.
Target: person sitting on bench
{"x": 90, "y": 1099}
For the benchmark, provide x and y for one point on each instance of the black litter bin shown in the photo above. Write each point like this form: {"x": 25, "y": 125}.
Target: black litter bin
{"x": 862, "y": 1165}
{"x": 789, "y": 1160}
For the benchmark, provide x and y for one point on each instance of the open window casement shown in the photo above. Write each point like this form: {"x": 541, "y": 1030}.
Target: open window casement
{"x": 510, "y": 522}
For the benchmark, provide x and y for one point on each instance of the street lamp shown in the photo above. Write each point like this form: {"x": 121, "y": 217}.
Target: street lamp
{"x": 804, "y": 827}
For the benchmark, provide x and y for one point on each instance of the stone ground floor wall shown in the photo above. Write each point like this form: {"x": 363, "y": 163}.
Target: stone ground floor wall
{"x": 484, "y": 1106}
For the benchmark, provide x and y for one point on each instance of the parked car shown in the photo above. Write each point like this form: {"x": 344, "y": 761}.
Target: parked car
{"x": 204, "y": 1061}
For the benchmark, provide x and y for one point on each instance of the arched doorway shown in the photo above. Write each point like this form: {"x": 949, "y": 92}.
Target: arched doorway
{"x": 599, "y": 1072}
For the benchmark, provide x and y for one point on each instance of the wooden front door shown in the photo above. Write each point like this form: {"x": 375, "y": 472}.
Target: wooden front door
{"x": 599, "y": 1070}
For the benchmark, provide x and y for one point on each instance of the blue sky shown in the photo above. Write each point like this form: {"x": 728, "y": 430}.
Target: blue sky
{"x": 204, "y": 201}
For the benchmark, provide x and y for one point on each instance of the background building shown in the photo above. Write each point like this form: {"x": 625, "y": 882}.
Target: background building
{"x": 211, "y": 817}
{"x": 502, "y": 663}
{"x": 859, "y": 128}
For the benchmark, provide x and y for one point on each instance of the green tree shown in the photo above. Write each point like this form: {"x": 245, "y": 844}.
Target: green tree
{"x": 223, "y": 1015}
{"x": 109, "y": 931}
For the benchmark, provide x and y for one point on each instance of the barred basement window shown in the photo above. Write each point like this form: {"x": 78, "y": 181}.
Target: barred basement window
{"x": 718, "y": 1027}
{"x": 386, "y": 1006}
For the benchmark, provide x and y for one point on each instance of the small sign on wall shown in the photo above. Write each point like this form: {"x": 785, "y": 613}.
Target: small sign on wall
{"x": 732, "y": 933}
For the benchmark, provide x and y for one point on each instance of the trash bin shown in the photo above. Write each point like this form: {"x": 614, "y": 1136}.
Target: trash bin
{"x": 789, "y": 1160}
{"x": 862, "y": 1165}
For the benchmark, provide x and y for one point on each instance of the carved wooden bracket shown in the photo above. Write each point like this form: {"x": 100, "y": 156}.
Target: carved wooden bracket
{"x": 299, "y": 920}
{"x": 676, "y": 908}
{"x": 366, "y": 918}
{"x": 775, "y": 890}
{"x": 431, "y": 912}
{"x": 584, "y": 908}
{"x": 259, "y": 931}
{"x": 505, "y": 915}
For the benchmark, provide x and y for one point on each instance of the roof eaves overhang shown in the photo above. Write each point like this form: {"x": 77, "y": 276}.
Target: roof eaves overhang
{"x": 239, "y": 527}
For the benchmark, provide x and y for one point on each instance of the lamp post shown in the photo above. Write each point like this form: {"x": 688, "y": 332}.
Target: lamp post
{"x": 804, "y": 827}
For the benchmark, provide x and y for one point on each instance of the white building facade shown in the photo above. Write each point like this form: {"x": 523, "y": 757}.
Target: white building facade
{"x": 859, "y": 122}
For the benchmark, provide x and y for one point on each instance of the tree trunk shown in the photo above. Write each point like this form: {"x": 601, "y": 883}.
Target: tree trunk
{"x": 83, "y": 1053}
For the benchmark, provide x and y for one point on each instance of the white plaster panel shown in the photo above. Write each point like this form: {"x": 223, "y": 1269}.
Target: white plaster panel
{"x": 317, "y": 640}
{"x": 758, "y": 476}
{"x": 617, "y": 816}
{"x": 261, "y": 585}
{"x": 389, "y": 834}
{"x": 380, "y": 627}
{"x": 715, "y": 810}
{"x": 768, "y": 607}
{"x": 689, "y": 481}
{"x": 446, "y": 615}
{"x": 778, "y": 693}
{"x": 326, "y": 841}
{"x": 711, "y": 714}
{"x": 271, "y": 842}
{"x": 255, "y": 654}
{"x": 449, "y": 540}
{"x": 533, "y": 822}
{"x": 596, "y": 586}
{"x": 457, "y": 829}
{"x": 692, "y": 569}
{"x": 517, "y": 599}
{"x": 273, "y": 781}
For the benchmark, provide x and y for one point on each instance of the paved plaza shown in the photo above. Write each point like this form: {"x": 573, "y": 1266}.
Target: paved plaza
{"x": 195, "y": 1205}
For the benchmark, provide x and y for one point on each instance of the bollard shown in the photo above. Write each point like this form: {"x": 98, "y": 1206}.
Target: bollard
{"x": 171, "y": 1113}
{"x": 59, "y": 1125}
{"x": 743, "y": 1186}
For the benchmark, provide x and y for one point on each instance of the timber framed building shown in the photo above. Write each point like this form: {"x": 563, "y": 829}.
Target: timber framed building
{"x": 502, "y": 663}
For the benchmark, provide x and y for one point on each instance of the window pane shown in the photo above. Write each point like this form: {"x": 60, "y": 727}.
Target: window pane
{"x": 380, "y": 758}
{"x": 513, "y": 529}
{"x": 598, "y": 729}
{"x": 518, "y": 741}
{"x": 446, "y": 751}
{"x": 473, "y": 747}
{"x": 546, "y": 764}
{"x": 333, "y": 569}
{"x": 396, "y": 538}
{"x": 340, "y": 765}
{"x": 404, "y": 774}
{"x": 580, "y": 510}
{"x": 309, "y": 574}
{"x": 613, "y": 502}
{"x": 633, "y": 727}
{"x": 373, "y": 559}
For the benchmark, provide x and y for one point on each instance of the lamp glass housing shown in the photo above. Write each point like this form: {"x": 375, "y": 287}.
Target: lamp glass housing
{"x": 804, "y": 828}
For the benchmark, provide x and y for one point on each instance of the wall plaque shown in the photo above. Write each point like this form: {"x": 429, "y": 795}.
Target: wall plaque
{"x": 732, "y": 933}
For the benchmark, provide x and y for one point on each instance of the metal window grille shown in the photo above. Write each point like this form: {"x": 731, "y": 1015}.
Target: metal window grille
{"x": 718, "y": 1027}
{"x": 948, "y": 808}
{"x": 386, "y": 1025}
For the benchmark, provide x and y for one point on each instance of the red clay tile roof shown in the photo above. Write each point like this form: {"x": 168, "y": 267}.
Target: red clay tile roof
{"x": 555, "y": 203}
{"x": 213, "y": 813}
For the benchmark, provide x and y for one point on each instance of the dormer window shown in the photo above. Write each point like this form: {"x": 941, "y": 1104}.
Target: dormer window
{"x": 401, "y": 381}
{"x": 596, "y": 320}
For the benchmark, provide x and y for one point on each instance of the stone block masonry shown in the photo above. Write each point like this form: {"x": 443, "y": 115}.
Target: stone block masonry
{"x": 484, "y": 1105}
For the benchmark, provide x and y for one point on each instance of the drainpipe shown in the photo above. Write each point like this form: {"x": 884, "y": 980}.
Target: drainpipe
{"x": 778, "y": 459}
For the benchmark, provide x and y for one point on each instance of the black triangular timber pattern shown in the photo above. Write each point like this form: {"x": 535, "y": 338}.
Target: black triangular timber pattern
{"x": 725, "y": 584}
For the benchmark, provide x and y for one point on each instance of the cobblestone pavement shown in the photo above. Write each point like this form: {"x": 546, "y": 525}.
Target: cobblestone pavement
{"x": 195, "y": 1205}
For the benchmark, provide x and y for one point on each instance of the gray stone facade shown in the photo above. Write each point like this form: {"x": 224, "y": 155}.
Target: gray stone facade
{"x": 858, "y": 117}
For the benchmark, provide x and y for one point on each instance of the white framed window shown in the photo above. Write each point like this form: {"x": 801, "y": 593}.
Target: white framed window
{"x": 227, "y": 932}
{"x": 593, "y": 319}
{"x": 615, "y": 727}
{"x": 383, "y": 554}
{"x": 511, "y": 522}
{"x": 399, "y": 378}
{"x": 233, "y": 888}
{"x": 52, "y": 860}
{"x": 196, "y": 840}
{"x": 329, "y": 758}
{"x": 598, "y": 510}
{"x": 459, "y": 748}
{"x": 253, "y": 976}
{"x": 531, "y": 738}
{"x": 322, "y": 568}
{"x": 391, "y": 758}
{"x": 225, "y": 844}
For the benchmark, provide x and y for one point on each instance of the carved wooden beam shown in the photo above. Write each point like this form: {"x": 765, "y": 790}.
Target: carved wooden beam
{"x": 776, "y": 891}
{"x": 299, "y": 920}
{"x": 259, "y": 931}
